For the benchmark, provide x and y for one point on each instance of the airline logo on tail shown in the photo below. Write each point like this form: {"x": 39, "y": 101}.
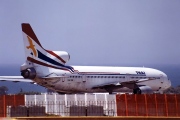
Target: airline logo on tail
{"x": 42, "y": 56}
{"x": 31, "y": 46}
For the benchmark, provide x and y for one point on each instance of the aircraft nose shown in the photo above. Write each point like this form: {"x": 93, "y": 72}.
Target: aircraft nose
{"x": 167, "y": 84}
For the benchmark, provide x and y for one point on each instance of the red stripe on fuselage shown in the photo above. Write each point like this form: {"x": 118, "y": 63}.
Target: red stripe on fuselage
{"x": 54, "y": 54}
{"x": 99, "y": 73}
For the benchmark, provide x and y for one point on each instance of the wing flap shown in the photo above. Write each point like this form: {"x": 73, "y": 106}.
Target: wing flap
{"x": 122, "y": 84}
{"x": 107, "y": 85}
{"x": 140, "y": 80}
{"x": 53, "y": 77}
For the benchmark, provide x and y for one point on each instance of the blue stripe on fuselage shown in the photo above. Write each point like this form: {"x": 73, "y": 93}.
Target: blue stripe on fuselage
{"x": 47, "y": 59}
{"x": 112, "y": 74}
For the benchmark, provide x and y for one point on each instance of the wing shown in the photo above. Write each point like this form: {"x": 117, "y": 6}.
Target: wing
{"x": 137, "y": 81}
{"x": 130, "y": 84}
{"x": 104, "y": 86}
{"x": 53, "y": 77}
{"x": 15, "y": 79}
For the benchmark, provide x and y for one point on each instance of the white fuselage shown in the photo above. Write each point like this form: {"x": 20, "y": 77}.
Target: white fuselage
{"x": 48, "y": 68}
{"x": 87, "y": 77}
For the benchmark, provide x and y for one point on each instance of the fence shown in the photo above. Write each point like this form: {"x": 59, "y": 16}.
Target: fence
{"x": 10, "y": 100}
{"x": 62, "y": 105}
{"x": 148, "y": 105}
{"x": 71, "y": 108}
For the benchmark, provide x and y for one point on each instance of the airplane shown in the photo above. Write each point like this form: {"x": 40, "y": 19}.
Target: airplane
{"x": 48, "y": 69}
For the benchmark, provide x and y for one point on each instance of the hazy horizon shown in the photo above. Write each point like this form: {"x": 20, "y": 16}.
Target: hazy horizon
{"x": 96, "y": 32}
{"x": 171, "y": 71}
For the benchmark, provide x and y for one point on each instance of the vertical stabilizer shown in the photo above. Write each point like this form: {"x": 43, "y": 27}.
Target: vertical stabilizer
{"x": 39, "y": 56}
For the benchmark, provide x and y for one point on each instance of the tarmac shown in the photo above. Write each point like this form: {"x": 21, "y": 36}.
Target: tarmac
{"x": 95, "y": 118}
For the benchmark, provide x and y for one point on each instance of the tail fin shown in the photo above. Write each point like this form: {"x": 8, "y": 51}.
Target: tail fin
{"x": 31, "y": 42}
{"x": 36, "y": 54}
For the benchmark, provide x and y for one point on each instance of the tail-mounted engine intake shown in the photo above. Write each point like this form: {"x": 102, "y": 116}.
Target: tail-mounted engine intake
{"x": 29, "y": 73}
{"x": 63, "y": 54}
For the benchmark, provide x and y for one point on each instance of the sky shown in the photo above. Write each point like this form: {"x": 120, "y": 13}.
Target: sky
{"x": 95, "y": 32}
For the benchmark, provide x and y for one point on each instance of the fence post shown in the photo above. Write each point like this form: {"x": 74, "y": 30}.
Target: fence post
{"x": 14, "y": 97}
{"x": 166, "y": 104}
{"x": 146, "y": 104}
{"x": 156, "y": 104}
{"x": 4, "y": 105}
{"x": 28, "y": 111}
{"x": 126, "y": 105}
{"x": 136, "y": 104}
{"x": 176, "y": 104}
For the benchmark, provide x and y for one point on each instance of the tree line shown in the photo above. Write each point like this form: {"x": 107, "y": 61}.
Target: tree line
{"x": 4, "y": 91}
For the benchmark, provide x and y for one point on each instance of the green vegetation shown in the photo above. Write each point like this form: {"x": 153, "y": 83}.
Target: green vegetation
{"x": 28, "y": 93}
{"x": 3, "y": 90}
{"x": 173, "y": 90}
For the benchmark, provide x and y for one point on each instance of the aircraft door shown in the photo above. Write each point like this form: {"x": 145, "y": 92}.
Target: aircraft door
{"x": 127, "y": 77}
{"x": 84, "y": 78}
{"x": 161, "y": 83}
{"x": 161, "y": 78}
{"x": 78, "y": 84}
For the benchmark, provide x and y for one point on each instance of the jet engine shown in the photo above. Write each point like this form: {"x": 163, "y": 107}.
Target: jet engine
{"x": 143, "y": 90}
{"x": 29, "y": 73}
{"x": 63, "y": 54}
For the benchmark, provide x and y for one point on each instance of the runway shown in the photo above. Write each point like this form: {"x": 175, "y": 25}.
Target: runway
{"x": 97, "y": 118}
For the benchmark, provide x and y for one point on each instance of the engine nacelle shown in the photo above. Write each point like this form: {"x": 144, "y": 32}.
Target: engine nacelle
{"x": 143, "y": 90}
{"x": 63, "y": 54}
{"x": 29, "y": 73}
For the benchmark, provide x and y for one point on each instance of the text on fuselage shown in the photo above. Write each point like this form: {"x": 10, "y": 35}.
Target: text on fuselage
{"x": 140, "y": 72}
